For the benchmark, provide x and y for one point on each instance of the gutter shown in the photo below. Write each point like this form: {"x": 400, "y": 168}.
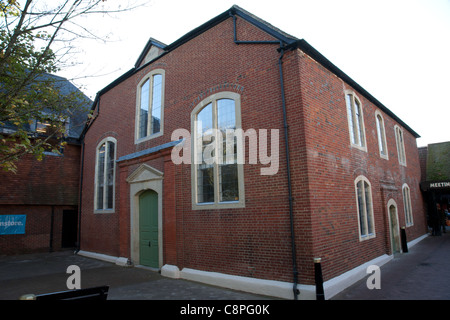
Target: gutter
{"x": 327, "y": 64}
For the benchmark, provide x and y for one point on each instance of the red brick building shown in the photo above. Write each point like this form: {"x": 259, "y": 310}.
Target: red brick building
{"x": 338, "y": 180}
{"x": 47, "y": 193}
{"x": 44, "y": 194}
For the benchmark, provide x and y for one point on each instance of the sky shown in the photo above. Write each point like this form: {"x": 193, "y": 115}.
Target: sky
{"x": 398, "y": 50}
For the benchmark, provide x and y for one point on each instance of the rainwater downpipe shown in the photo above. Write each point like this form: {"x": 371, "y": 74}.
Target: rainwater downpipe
{"x": 80, "y": 195}
{"x": 288, "y": 165}
{"x": 52, "y": 218}
{"x": 295, "y": 289}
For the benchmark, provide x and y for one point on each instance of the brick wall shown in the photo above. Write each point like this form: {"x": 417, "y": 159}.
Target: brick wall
{"x": 235, "y": 241}
{"x": 52, "y": 181}
{"x": 36, "y": 190}
{"x": 423, "y": 154}
{"x": 333, "y": 165}
{"x": 254, "y": 241}
{"x": 39, "y": 235}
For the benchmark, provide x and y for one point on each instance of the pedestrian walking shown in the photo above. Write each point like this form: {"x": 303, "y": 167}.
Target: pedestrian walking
{"x": 443, "y": 215}
{"x": 435, "y": 219}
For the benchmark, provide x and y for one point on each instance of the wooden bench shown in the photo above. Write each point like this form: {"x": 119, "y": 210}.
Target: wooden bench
{"x": 95, "y": 293}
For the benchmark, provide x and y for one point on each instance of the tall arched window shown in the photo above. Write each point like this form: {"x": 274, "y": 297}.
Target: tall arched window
{"x": 400, "y": 145}
{"x": 407, "y": 205}
{"x": 150, "y": 106}
{"x": 382, "y": 145}
{"x": 355, "y": 121}
{"x": 105, "y": 175}
{"x": 364, "y": 205}
{"x": 217, "y": 177}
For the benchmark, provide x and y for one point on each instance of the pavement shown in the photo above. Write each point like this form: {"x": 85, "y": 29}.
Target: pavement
{"x": 423, "y": 273}
{"x": 46, "y": 272}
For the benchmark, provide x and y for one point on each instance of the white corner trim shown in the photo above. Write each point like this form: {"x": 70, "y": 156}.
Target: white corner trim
{"x": 270, "y": 288}
{"x": 121, "y": 261}
{"x": 170, "y": 271}
{"x": 345, "y": 280}
{"x": 412, "y": 243}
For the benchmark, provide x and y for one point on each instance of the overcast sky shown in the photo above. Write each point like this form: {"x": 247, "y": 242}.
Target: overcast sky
{"x": 398, "y": 50}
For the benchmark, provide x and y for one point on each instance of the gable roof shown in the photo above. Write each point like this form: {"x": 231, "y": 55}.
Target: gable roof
{"x": 235, "y": 10}
{"x": 286, "y": 42}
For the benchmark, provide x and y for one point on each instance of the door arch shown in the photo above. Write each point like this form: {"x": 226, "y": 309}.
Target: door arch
{"x": 394, "y": 229}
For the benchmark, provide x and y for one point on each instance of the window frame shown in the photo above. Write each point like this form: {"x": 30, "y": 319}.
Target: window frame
{"x": 96, "y": 182}
{"x": 150, "y": 77}
{"x": 406, "y": 193}
{"x": 370, "y": 231}
{"x": 217, "y": 204}
{"x": 381, "y": 135}
{"x": 361, "y": 144}
{"x": 400, "y": 141}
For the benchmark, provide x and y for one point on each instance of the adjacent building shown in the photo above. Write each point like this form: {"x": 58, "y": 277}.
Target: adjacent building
{"x": 435, "y": 184}
{"x": 238, "y": 154}
{"x": 39, "y": 203}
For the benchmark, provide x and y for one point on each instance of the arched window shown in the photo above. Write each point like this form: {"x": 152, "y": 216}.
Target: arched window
{"x": 355, "y": 121}
{"x": 381, "y": 135}
{"x": 400, "y": 145}
{"x": 217, "y": 178}
{"x": 407, "y": 205}
{"x": 150, "y": 106}
{"x": 105, "y": 175}
{"x": 364, "y": 205}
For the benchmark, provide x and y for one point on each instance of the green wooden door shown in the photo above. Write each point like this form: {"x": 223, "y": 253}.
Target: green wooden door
{"x": 395, "y": 237}
{"x": 148, "y": 229}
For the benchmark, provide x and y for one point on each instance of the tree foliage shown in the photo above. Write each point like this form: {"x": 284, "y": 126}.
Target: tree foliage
{"x": 28, "y": 95}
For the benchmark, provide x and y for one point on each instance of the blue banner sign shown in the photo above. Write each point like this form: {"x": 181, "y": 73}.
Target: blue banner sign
{"x": 12, "y": 224}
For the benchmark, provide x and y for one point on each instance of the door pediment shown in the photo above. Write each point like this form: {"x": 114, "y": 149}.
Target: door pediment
{"x": 145, "y": 173}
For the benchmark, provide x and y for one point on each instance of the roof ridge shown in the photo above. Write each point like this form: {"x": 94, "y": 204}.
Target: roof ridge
{"x": 262, "y": 21}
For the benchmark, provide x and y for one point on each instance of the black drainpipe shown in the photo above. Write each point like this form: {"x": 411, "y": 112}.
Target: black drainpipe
{"x": 291, "y": 215}
{"x": 288, "y": 165}
{"x": 52, "y": 218}
{"x": 80, "y": 194}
